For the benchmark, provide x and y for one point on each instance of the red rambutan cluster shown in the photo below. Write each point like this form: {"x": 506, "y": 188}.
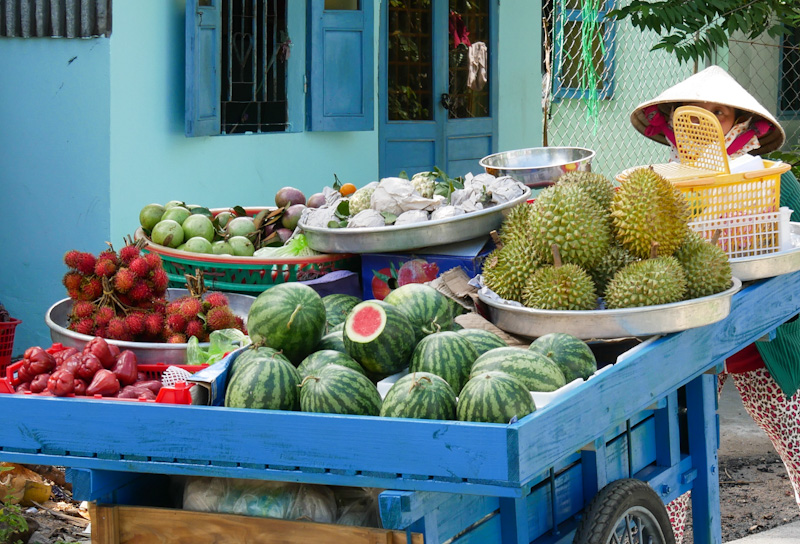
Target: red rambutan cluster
{"x": 189, "y": 316}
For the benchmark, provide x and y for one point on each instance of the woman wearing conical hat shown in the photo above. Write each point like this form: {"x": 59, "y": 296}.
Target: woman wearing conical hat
{"x": 766, "y": 374}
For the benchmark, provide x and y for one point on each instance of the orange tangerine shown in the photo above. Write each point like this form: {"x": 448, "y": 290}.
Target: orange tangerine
{"x": 347, "y": 189}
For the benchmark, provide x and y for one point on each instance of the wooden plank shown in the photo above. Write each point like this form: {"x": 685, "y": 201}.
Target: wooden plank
{"x": 140, "y": 525}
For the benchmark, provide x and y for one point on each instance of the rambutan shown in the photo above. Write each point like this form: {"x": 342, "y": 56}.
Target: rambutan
{"x": 176, "y": 338}
{"x": 153, "y": 260}
{"x": 100, "y": 331}
{"x": 110, "y": 255}
{"x": 71, "y": 258}
{"x": 117, "y": 329}
{"x": 140, "y": 267}
{"x": 140, "y": 291}
{"x": 160, "y": 281}
{"x": 159, "y": 305}
{"x": 176, "y": 322}
{"x": 105, "y": 267}
{"x": 216, "y": 299}
{"x": 74, "y": 294}
{"x": 85, "y": 264}
{"x": 135, "y": 323}
{"x": 195, "y": 327}
{"x": 84, "y": 326}
{"x": 174, "y": 306}
{"x": 153, "y": 324}
{"x": 103, "y": 315}
{"x": 124, "y": 280}
{"x": 240, "y": 324}
{"x": 128, "y": 253}
{"x": 220, "y": 317}
{"x": 190, "y": 307}
{"x": 91, "y": 288}
{"x": 72, "y": 280}
{"x": 83, "y": 308}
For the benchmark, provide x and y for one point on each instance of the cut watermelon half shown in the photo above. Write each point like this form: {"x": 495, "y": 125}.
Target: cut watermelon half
{"x": 365, "y": 322}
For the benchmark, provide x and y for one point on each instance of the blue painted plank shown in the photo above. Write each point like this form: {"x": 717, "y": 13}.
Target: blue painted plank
{"x": 203, "y": 61}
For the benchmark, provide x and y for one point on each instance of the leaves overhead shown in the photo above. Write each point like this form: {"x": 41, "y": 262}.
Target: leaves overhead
{"x": 693, "y": 29}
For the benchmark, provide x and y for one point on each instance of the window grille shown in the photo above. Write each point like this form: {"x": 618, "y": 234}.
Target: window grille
{"x": 55, "y": 18}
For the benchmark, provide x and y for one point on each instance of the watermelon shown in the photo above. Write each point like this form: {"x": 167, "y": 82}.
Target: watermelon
{"x": 446, "y": 354}
{"x": 318, "y": 359}
{"x": 335, "y": 389}
{"x": 536, "y": 371}
{"x": 420, "y": 395}
{"x": 332, "y": 340}
{"x": 379, "y": 337}
{"x": 494, "y": 397}
{"x": 482, "y": 340}
{"x": 338, "y": 327}
{"x": 337, "y": 306}
{"x": 427, "y": 309}
{"x": 289, "y": 317}
{"x": 265, "y": 381}
{"x": 251, "y": 353}
{"x": 572, "y": 355}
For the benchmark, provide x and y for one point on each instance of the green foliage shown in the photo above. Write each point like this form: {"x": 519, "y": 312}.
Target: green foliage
{"x": 791, "y": 157}
{"x": 11, "y": 519}
{"x": 692, "y": 29}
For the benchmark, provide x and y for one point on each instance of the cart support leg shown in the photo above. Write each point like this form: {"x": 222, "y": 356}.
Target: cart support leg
{"x": 701, "y": 403}
{"x": 514, "y": 521}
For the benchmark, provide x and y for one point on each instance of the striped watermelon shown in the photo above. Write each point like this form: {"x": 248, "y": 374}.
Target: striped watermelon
{"x": 289, "y": 317}
{"x": 446, "y": 354}
{"x": 263, "y": 380}
{"x": 572, "y": 355}
{"x": 427, "y": 309}
{"x": 482, "y": 340}
{"x": 494, "y": 397}
{"x": 251, "y": 353}
{"x": 536, "y": 371}
{"x": 378, "y": 336}
{"x": 420, "y": 395}
{"x": 332, "y": 340}
{"x": 337, "y": 306}
{"x": 335, "y": 389}
{"x": 318, "y": 359}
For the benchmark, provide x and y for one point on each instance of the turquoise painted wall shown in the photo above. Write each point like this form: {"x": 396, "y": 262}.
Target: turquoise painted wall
{"x": 54, "y": 113}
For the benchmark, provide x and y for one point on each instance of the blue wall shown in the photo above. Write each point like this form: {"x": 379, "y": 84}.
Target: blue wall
{"x": 54, "y": 170}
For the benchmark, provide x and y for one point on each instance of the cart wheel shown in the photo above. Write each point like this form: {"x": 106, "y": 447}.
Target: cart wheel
{"x": 625, "y": 512}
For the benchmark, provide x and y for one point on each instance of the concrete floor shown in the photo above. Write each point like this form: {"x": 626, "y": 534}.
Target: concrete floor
{"x": 739, "y": 434}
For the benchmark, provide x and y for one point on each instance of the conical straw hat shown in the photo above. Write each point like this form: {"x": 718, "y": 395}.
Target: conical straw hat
{"x": 712, "y": 85}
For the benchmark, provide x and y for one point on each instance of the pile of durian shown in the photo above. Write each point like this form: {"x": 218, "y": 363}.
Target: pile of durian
{"x": 582, "y": 245}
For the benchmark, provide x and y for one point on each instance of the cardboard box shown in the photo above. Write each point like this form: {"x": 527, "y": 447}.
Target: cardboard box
{"x": 382, "y": 272}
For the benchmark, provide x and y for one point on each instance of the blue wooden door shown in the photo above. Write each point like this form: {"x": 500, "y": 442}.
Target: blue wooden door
{"x": 438, "y": 85}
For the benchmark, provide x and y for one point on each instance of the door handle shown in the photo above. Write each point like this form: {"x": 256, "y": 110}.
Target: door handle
{"x": 446, "y": 101}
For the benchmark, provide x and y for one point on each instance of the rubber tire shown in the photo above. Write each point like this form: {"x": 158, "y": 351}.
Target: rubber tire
{"x": 608, "y": 508}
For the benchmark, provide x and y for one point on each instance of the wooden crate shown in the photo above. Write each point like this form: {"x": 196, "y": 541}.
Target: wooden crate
{"x": 144, "y": 525}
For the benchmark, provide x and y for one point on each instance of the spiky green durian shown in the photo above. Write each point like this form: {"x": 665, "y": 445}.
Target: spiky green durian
{"x": 650, "y": 282}
{"x": 616, "y": 258}
{"x": 708, "y": 270}
{"x": 507, "y": 269}
{"x": 560, "y": 287}
{"x": 647, "y": 209}
{"x": 565, "y": 215}
{"x": 599, "y": 187}
{"x": 360, "y": 200}
{"x": 516, "y": 226}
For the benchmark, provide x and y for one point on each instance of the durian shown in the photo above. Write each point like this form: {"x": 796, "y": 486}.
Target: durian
{"x": 708, "y": 270}
{"x": 560, "y": 287}
{"x": 647, "y": 209}
{"x": 599, "y": 187}
{"x": 616, "y": 258}
{"x": 507, "y": 269}
{"x": 360, "y": 200}
{"x": 516, "y": 227}
{"x": 650, "y": 282}
{"x": 565, "y": 215}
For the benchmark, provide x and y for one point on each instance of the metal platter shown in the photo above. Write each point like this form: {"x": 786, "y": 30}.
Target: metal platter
{"x": 430, "y": 233}
{"x": 770, "y": 265}
{"x": 625, "y": 322}
{"x": 146, "y": 352}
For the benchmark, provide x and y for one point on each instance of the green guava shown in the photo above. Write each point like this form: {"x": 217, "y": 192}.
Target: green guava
{"x": 167, "y": 232}
{"x": 197, "y": 244}
{"x": 242, "y": 246}
{"x": 198, "y": 225}
{"x": 176, "y": 213}
{"x": 221, "y": 247}
{"x": 240, "y": 226}
{"x": 150, "y": 215}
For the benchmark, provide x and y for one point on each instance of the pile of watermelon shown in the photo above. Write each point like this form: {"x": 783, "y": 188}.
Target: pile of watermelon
{"x": 327, "y": 354}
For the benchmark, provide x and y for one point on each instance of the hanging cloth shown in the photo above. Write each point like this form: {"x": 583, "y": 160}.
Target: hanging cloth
{"x": 476, "y": 77}
{"x": 459, "y": 30}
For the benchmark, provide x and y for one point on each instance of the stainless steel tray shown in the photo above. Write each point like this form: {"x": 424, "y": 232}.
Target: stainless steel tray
{"x": 767, "y": 266}
{"x": 146, "y": 352}
{"x": 625, "y": 322}
{"x": 391, "y": 238}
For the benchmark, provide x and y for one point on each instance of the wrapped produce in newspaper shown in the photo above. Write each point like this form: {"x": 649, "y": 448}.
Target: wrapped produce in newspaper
{"x": 411, "y": 216}
{"x": 397, "y": 195}
{"x": 319, "y": 217}
{"x": 504, "y": 189}
{"x": 367, "y": 218}
{"x": 446, "y": 212}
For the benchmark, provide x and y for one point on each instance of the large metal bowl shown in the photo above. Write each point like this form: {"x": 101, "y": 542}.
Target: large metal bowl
{"x": 146, "y": 352}
{"x": 538, "y": 167}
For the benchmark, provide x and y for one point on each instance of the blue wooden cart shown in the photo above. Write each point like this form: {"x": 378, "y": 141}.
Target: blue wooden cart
{"x": 650, "y": 417}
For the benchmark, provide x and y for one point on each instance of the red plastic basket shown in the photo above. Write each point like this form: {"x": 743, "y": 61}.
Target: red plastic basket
{"x": 7, "y": 342}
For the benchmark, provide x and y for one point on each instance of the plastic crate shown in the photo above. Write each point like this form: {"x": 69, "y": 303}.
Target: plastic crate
{"x": 7, "y": 329}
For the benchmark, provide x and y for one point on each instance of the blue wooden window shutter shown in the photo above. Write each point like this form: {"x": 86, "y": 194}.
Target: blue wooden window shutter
{"x": 203, "y": 59}
{"x": 341, "y": 68}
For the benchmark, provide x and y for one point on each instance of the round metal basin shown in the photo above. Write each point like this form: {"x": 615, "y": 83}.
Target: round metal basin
{"x": 539, "y": 167}
{"x": 146, "y": 352}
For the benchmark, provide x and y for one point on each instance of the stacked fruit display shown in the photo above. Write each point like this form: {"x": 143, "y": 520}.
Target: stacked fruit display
{"x": 327, "y": 354}
{"x": 582, "y": 245}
